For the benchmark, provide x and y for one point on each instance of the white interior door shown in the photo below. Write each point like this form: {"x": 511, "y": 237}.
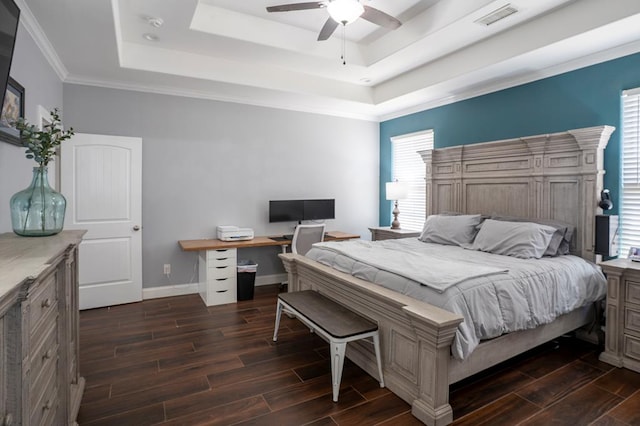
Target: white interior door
{"x": 101, "y": 177}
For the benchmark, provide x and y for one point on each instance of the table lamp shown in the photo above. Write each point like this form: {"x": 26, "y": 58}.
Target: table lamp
{"x": 396, "y": 191}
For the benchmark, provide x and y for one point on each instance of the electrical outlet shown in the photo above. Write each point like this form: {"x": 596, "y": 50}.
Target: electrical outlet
{"x": 167, "y": 268}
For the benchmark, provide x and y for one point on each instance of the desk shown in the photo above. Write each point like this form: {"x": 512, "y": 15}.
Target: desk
{"x": 217, "y": 263}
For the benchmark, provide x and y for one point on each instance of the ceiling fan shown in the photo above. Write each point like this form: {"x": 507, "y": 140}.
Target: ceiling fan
{"x": 341, "y": 12}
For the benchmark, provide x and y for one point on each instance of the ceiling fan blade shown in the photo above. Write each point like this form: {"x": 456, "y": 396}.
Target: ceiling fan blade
{"x": 327, "y": 29}
{"x": 378, "y": 17}
{"x": 297, "y": 6}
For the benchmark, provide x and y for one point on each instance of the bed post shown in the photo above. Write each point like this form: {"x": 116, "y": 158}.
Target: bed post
{"x": 434, "y": 345}
{"x": 427, "y": 157}
{"x": 592, "y": 142}
{"x": 292, "y": 272}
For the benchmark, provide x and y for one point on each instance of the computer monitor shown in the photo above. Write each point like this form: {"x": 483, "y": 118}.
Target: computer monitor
{"x": 286, "y": 211}
{"x": 319, "y": 209}
{"x": 299, "y": 210}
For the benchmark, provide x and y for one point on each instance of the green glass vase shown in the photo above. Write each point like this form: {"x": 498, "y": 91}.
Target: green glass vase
{"x": 38, "y": 211}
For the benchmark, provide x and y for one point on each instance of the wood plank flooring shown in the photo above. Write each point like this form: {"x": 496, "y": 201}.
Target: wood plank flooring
{"x": 174, "y": 361}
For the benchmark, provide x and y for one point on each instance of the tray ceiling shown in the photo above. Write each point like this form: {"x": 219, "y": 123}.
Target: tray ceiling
{"x": 236, "y": 51}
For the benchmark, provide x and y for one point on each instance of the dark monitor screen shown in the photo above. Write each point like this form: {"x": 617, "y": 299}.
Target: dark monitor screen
{"x": 319, "y": 209}
{"x": 299, "y": 210}
{"x": 286, "y": 211}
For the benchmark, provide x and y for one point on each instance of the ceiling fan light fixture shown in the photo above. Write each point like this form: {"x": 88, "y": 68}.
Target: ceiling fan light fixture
{"x": 345, "y": 11}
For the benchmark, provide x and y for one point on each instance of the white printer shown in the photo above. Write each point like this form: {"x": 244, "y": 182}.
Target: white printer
{"x": 233, "y": 233}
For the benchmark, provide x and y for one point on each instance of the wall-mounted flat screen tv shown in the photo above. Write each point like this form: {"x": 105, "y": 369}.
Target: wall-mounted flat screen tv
{"x": 299, "y": 210}
{"x": 9, "y": 18}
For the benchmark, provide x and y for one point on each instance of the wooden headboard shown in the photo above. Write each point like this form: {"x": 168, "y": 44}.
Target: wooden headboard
{"x": 553, "y": 176}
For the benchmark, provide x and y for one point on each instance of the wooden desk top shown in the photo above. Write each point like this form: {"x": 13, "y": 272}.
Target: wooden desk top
{"x": 215, "y": 244}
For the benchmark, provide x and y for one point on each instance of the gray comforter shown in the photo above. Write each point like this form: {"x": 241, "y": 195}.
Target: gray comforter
{"x": 515, "y": 294}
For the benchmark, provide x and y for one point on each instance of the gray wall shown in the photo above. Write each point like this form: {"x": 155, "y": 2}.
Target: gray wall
{"x": 208, "y": 163}
{"x": 42, "y": 87}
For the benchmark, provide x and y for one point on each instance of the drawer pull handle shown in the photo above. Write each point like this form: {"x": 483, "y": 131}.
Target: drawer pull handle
{"x": 221, "y": 279}
{"x": 46, "y": 303}
{"x": 221, "y": 267}
{"x": 47, "y": 405}
{"x": 8, "y": 420}
{"x": 221, "y": 258}
{"x": 47, "y": 355}
{"x": 221, "y": 291}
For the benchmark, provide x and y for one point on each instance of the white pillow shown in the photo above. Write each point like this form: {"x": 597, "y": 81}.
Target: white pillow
{"x": 524, "y": 240}
{"x": 456, "y": 230}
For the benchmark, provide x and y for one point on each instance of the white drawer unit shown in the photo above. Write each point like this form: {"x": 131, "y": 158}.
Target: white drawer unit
{"x": 217, "y": 276}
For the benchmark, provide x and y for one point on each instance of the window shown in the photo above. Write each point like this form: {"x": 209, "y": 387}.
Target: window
{"x": 407, "y": 166}
{"x": 630, "y": 200}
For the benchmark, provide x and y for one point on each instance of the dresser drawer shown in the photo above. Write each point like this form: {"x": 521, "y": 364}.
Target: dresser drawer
{"x": 42, "y": 403}
{"x": 42, "y": 301}
{"x": 633, "y": 292}
{"x": 214, "y": 293}
{"x": 632, "y": 347}
{"x": 41, "y": 331}
{"x": 222, "y": 283}
{"x": 227, "y": 256}
{"x": 221, "y": 272}
{"x": 43, "y": 358}
{"x": 632, "y": 319}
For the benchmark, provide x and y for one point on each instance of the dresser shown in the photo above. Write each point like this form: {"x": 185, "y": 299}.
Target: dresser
{"x": 386, "y": 233}
{"x": 622, "y": 334}
{"x": 40, "y": 381}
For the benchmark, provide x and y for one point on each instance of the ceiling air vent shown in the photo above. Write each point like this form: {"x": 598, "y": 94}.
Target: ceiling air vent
{"x": 497, "y": 15}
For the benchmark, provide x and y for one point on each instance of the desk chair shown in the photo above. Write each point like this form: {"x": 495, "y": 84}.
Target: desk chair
{"x": 303, "y": 238}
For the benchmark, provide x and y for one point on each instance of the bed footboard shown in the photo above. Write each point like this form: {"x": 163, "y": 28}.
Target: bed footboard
{"x": 415, "y": 337}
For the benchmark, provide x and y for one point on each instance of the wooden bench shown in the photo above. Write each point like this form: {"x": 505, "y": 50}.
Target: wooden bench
{"x": 332, "y": 321}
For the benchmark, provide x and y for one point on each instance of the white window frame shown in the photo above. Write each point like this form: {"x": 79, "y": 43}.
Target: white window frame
{"x": 630, "y": 151}
{"x": 409, "y": 168}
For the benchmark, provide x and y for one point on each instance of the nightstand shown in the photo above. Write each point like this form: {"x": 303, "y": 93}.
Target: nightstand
{"x": 386, "y": 233}
{"x": 622, "y": 335}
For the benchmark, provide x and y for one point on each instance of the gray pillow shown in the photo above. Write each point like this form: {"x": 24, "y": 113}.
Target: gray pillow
{"x": 524, "y": 240}
{"x": 560, "y": 241}
{"x": 458, "y": 230}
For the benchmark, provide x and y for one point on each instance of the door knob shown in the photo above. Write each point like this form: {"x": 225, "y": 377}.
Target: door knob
{"x": 136, "y": 228}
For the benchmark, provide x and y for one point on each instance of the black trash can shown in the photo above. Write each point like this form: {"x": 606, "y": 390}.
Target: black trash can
{"x": 246, "y": 278}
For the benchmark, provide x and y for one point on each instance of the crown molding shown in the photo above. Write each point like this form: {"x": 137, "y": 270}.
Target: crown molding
{"x": 173, "y": 91}
{"x": 30, "y": 23}
{"x": 568, "y": 66}
{"x": 585, "y": 61}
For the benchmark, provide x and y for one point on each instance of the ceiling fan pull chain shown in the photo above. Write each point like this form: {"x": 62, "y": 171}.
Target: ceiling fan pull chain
{"x": 344, "y": 45}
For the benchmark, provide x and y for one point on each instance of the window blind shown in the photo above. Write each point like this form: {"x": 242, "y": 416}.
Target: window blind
{"x": 630, "y": 200}
{"x": 407, "y": 166}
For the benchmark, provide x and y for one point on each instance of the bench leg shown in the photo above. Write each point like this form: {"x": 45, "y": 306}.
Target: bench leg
{"x": 376, "y": 345}
{"x": 278, "y": 313}
{"x": 337, "y": 361}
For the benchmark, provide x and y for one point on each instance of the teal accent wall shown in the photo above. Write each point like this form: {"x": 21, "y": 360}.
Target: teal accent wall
{"x": 583, "y": 98}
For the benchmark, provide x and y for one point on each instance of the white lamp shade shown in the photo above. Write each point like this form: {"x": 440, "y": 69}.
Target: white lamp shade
{"x": 397, "y": 190}
{"x": 345, "y": 11}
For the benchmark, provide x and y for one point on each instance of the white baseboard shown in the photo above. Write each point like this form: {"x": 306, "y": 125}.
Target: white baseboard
{"x": 182, "y": 289}
{"x": 169, "y": 290}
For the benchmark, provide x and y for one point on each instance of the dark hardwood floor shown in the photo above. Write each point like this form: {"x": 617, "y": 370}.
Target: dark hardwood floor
{"x": 174, "y": 361}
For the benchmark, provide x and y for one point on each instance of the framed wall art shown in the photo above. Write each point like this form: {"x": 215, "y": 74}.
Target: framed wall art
{"x": 12, "y": 109}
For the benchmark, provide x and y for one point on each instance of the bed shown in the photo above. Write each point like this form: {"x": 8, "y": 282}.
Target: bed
{"x": 554, "y": 176}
